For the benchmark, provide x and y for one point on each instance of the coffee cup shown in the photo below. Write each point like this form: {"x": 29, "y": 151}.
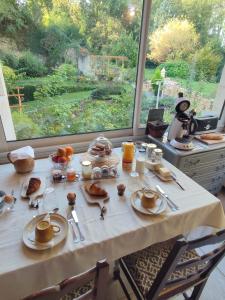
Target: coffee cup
{"x": 44, "y": 231}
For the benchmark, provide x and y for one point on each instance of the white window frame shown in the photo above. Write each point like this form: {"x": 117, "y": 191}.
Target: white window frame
{"x": 116, "y": 135}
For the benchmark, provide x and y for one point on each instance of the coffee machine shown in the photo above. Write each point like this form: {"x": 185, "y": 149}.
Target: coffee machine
{"x": 182, "y": 126}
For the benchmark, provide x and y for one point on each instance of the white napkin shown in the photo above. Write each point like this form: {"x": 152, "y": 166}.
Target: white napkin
{"x": 22, "y": 153}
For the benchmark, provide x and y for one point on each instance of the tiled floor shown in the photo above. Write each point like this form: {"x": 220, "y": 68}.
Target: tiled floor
{"x": 214, "y": 289}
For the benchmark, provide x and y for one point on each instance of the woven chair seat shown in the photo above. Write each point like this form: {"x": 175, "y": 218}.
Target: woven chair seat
{"x": 75, "y": 293}
{"x": 143, "y": 266}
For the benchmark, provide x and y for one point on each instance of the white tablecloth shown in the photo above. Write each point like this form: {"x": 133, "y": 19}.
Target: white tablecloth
{"x": 123, "y": 231}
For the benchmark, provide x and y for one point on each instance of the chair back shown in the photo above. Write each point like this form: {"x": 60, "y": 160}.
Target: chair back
{"x": 99, "y": 276}
{"x": 200, "y": 267}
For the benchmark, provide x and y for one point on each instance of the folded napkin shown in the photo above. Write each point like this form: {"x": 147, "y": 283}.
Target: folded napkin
{"x": 22, "y": 153}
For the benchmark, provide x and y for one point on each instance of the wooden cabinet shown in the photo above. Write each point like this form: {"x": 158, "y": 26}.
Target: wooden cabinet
{"x": 204, "y": 164}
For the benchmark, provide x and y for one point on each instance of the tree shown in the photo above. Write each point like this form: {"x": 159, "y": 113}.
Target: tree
{"x": 207, "y": 63}
{"x": 177, "y": 39}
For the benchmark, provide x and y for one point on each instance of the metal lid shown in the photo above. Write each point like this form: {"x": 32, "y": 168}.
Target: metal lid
{"x": 158, "y": 151}
{"x": 151, "y": 146}
{"x": 86, "y": 163}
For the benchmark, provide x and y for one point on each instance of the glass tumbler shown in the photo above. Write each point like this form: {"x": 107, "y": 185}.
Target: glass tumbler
{"x": 50, "y": 201}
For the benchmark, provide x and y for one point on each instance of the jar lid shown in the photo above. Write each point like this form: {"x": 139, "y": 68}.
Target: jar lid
{"x": 157, "y": 150}
{"x": 151, "y": 146}
{"x": 86, "y": 163}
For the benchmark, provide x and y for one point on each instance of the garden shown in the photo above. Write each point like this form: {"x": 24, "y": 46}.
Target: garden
{"x": 75, "y": 62}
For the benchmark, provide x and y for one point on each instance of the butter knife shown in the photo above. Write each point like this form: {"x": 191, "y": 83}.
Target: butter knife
{"x": 74, "y": 215}
{"x": 171, "y": 204}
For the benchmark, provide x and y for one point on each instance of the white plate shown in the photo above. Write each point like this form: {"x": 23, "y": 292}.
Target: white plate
{"x": 29, "y": 232}
{"x": 160, "y": 207}
{"x": 34, "y": 195}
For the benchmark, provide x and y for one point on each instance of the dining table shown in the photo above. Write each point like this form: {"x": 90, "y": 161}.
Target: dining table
{"x": 123, "y": 230}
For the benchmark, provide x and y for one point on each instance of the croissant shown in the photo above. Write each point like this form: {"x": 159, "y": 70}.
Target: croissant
{"x": 94, "y": 189}
{"x": 33, "y": 185}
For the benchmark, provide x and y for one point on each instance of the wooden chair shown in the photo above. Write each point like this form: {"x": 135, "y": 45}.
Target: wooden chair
{"x": 170, "y": 268}
{"x": 88, "y": 285}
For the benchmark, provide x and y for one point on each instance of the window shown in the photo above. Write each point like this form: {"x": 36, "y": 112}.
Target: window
{"x": 185, "y": 53}
{"x": 72, "y": 67}
{"x": 69, "y": 66}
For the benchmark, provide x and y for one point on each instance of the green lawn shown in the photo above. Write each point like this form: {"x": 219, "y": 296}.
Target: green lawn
{"x": 206, "y": 89}
{"x": 67, "y": 98}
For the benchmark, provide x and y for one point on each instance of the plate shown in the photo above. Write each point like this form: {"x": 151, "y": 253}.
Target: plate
{"x": 34, "y": 195}
{"x": 29, "y": 232}
{"x": 160, "y": 207}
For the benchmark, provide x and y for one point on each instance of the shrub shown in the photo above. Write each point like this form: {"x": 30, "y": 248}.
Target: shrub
{"x": 207, "y": 63}
{"x": 176, "y": 68}
{"x": 56, "y": 85}
{"x": 9, "y": 59}
{"x": 31, "y": 65}
{"x": 24, "y": 126}
{"x": 10, "y": 77}
{"x": 66, "y": 71}
{"x": 106, "y": 92}
{"x": 156, "y": 77}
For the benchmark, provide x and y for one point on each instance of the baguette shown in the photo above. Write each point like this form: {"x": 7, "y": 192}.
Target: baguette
{"x": 211, "y": 136}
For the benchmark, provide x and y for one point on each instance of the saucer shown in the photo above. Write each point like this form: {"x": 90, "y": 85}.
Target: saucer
{"x": 29, "y": 232}
{"x": 160, "y": 207}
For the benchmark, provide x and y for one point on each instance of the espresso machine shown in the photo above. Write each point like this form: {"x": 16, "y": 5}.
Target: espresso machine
{"x": 182, "y": 126}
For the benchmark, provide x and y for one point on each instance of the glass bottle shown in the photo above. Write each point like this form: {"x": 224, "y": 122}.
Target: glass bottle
{"x": 128, "y": 152}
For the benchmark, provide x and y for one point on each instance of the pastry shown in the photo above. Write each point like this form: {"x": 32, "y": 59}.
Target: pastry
{"x": 94, "y": 189}
{"x": 211, "y": 136}
{"x": 148, "y": 199}
{"x": 33, "y": 185}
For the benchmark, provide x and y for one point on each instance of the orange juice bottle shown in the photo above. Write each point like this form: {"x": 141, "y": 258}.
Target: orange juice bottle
{"x": 128, "y": 152}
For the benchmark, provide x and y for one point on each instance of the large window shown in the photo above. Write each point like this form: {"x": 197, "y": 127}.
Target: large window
{"x": 76, "y": 67}
{"x": 70, "y": 66}
{"x": 185, "y": 53}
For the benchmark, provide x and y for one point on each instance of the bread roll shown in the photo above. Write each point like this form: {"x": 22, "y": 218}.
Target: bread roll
{"x": 211, "y": 136}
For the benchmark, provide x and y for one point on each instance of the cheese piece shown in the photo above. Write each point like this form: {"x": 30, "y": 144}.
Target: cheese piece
{"x": 164, "y": 172}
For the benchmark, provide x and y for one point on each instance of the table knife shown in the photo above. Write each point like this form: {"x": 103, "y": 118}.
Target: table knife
{"x": 171, "y": 204}
{"x": 74, "y": 215}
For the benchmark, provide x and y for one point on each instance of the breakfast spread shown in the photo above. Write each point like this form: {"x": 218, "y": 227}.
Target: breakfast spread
{"x": 33, "y": 185}
{"x": 95, "y": 189}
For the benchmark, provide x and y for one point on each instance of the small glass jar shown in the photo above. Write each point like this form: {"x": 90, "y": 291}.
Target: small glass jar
{"x": 149, "y": 149}
{"x": 86, "y": 169}
{"x": 157, "y": 155}
{"x": 71, "y": 174}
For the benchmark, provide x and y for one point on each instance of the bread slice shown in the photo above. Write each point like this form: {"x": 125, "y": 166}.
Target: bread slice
{"x": 33, "y": 185}
{"x": 211, "y": 136}
{"x": 94, "y": 189}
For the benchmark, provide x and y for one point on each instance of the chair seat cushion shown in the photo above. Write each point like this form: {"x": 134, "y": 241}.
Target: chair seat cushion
{"x": 144, "y": 265}
{"x": 75, "y": 293}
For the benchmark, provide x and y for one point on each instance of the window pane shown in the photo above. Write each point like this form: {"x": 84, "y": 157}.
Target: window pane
{"x": 69, "y": 65}
{"x": 185, "y": 53}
